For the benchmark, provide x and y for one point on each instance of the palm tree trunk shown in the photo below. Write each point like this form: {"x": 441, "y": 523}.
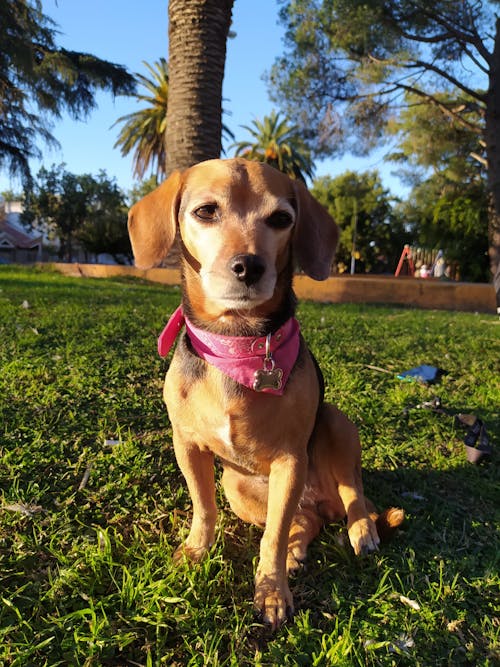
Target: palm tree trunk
{"x": 197, "y": 33}
{"x": 492, "y": 136}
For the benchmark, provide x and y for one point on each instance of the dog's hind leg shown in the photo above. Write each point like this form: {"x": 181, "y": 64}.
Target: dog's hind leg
{"x": 361, "y": 528}
{"x": 337, "y": 471}
{"x": 306, "y": 525}
{"x": 247, "y": 495}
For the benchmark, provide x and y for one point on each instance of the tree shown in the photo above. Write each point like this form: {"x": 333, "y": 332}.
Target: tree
{"x": 368, "y": 225}
{"x": 79, "y": 208}
{"x": 197, "y": 34}
{"x": 361, "y": 56}
{"x": 38, "y": 81}
{"x": 447, "y": 208}
{"x": 104, "y": 229}
{"x": 429, "y": 140}
{"x": 56, "y": 206}
{"x": 277, "y": 144}
{"x": 144, "y": 131}
{"x": 142, "y": 188}
{"x": 453, "y": 217}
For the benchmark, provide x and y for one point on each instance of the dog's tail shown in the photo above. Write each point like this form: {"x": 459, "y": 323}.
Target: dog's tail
{"x": 388, "y": 522}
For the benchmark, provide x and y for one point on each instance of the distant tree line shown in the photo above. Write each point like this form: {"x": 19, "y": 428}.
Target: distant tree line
{"x": 79, "y": 211}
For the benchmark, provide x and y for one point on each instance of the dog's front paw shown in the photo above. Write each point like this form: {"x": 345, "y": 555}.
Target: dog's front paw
{"x": 187, "y": 552}
{"x": 363, "y": 536}
{"x": 273, "y": 599}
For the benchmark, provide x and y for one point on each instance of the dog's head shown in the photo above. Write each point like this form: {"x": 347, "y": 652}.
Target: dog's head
{"x": 239, "y": 222}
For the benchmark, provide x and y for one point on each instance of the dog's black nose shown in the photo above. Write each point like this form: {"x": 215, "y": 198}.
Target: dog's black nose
{"x": 247, "y": 269}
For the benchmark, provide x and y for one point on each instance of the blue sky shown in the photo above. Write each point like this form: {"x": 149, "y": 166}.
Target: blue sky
{"x": 129, "y": 32}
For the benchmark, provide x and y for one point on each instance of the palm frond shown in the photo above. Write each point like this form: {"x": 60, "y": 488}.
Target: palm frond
{"x": 143, "y": 131}
{"x": 278, "y": 144}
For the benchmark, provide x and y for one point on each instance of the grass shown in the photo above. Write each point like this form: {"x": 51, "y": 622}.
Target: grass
{"x": 92, "y": 504}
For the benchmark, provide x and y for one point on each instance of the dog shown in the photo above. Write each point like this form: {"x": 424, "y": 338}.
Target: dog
{"x": 242, "y": 385}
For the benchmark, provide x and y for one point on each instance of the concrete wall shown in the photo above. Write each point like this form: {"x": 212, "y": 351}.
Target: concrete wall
{"x": 415, "y": 292}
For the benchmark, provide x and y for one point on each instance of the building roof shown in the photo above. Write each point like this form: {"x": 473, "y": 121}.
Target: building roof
{"x": 12, "y": 237}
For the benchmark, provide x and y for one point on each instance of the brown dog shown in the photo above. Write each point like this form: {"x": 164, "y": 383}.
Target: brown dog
{"x": 242, "y": 384}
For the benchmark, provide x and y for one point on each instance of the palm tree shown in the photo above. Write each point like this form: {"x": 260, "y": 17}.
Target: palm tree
{"x": 144, "y": 131}
{"x": 197, "y": 36}
{"x": 278, "y": 144}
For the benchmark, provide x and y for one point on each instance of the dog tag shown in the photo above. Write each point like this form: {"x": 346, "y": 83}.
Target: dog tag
{"x": 268, "y": 379}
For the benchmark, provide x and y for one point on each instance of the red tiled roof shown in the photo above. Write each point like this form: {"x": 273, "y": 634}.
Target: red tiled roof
{"x": 16, "y": 237}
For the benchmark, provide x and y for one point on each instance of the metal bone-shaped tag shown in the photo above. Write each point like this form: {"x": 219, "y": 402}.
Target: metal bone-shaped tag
{"x": 268, "y": 379}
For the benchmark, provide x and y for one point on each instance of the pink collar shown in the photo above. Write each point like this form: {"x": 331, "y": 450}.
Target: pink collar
{"x": 263, "y": 364}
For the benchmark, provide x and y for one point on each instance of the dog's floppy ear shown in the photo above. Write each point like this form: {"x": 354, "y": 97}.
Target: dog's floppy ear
{"x": 152, "y": 222}
{"x": 316, "y": 234}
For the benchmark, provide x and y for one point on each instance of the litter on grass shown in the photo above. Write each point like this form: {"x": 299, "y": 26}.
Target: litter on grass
{"x": 413, "y": 495}
{"x": 477, "y": 442}
{"x": 476, "y": 439}
{"x": 409, "y": 602}
{"x": 86, "y": 477}
{"x": 27, "y": 510}
{"x": 424, "y": 373}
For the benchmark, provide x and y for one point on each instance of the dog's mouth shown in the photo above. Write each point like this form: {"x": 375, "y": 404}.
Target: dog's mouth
{"x": 233, "y": 294}
{"x": 241, "y": 300}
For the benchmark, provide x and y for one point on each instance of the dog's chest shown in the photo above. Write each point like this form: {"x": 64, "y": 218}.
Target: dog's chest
{"x": 222, "y": 434}
{"x": 244, "y": 428}
{"x": 232, "y": 427}
{"x": 236, "y": 439}
{"x": 228, "y": 447}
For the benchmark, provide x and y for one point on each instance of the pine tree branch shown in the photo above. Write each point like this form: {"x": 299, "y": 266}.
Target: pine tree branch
{"x": 475, "y": 60}
{"x": 451, "y": 113}
{"x": 451, "y": 32}
{"x": 434, "y": 68}
{"x": 421, "y": 64}
{"x": 468, "y": 37}
{"x": 479, "y": 159}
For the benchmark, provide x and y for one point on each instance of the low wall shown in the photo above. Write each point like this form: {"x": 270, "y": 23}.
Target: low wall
{"x": 416, "y": 292}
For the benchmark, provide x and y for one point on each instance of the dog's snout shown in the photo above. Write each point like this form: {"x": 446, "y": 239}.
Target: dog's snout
{"x": 247, "y": 269}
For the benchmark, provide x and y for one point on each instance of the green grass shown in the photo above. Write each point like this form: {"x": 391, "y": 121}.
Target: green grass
{"x": 88, "y": 528}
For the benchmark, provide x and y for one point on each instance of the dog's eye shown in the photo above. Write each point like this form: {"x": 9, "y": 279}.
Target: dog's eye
{"x": 279, "y": 220}
{"x": 207, "y": 213}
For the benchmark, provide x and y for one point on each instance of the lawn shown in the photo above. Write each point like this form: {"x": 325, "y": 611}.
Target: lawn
{"x": 93, "y": 505}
